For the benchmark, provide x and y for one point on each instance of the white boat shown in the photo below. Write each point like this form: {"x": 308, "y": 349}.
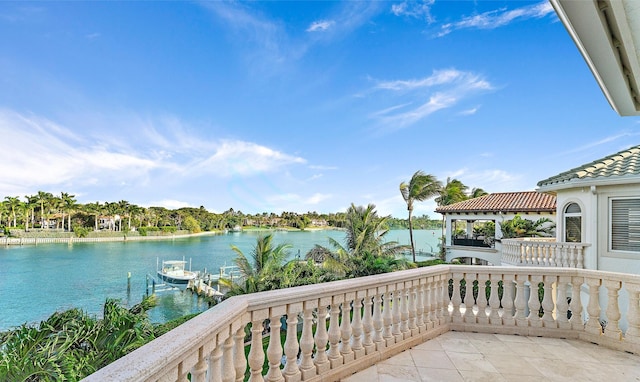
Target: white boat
{"x": 174, "y": 272}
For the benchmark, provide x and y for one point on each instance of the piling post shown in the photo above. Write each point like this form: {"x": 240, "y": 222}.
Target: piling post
{"x": 128, "y": 283}
{"x": 146, "y": 289}
{"x": 153, "y": 286}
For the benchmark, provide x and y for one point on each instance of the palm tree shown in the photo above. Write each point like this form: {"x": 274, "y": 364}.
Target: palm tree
{"x": 258, "y": 271}
{"x": 13, "y": 203}
{"x": 93, "y": 209}
{"x": 44, "y": 198}
{"x": 365, "y": 244}
{"x": 67, "y": 203}
{"x": 32, "y": 203}
{"x": 453, "y": 192}
{"x": 123, "y": 207}
{"x": 421, "y": 187}
{"x": 477, "y": 192}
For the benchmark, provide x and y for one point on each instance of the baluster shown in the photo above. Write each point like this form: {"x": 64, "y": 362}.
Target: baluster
{"x": 593, "y": 308}
{"x": 413, "y": 327}
{"x": 562, "y": 304}
{"x": 335, "y": 358}
{"x": 456, "y": 299}
{"x": 535, "y": 255}
{"x": 199, "y": 370}
{"x": 367, "y": 323}
{"x": 228, "y": 368}
{"x": 377, "y": 322}
{"x": 552, "y": 260}
{"x": 521, "y": 302}
{"x": 567, "y": 258}
{"x": 572, "y": 256}
{"x": 547, "y": 302}
{"x": 420, "y": 311}
{"x": 345, "y": 329}
{"x": 613, "y": 310}
{"x": 274, "y": 350}
{"x": 429, "y": 304}
{"x": 580, "y": 257}
{"x": 494, "y": 300}
{"x": 576, "y": 304}
{"x": 395, "y": 312}
{"x": 215, "y": 363}
{"x": 307, "y": 368}
{"x": 291, "y": 370}
{"x": 534, "y": 302}
{"x": 405, "y": 295}
{"x": 481, "y": 300}
{"x": 469, "y": 317}
{"x": 356, "y": 326}
{"x": 322, "y": 338}
{"x": 256, "y": 352}
{"x": 240, "y": 361}
{"x": 633, "y": 315}
{"x": 387, "y": 318}
{"x": 442, "y": 300}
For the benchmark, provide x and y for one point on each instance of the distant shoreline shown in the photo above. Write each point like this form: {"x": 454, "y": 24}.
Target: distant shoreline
{"x": 13, "y": 241}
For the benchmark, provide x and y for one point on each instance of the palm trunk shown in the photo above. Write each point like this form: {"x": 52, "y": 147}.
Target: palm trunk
{"x": 413, "y": 249}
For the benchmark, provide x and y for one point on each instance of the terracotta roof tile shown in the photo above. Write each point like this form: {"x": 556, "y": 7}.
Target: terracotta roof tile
{"x": 624, "y": 163}
{"x": 526, "y": 201}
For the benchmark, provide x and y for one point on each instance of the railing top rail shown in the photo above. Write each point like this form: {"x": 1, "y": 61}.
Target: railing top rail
{"x": 542, "y": 240}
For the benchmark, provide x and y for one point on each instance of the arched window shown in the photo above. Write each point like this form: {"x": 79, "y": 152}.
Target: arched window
{"x": 573, "y": 223}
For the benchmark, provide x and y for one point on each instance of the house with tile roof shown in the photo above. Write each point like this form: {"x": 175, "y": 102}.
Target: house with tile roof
{"x": 598, "y": 203}
{"x": 496, "y": 208}
{"x": 596, "y": 209}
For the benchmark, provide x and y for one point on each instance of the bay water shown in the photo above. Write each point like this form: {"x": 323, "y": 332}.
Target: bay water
{"x": 36, "y": 281}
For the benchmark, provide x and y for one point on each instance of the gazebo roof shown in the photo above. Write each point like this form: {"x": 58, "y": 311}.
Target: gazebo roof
{"x": 513, "y": 202}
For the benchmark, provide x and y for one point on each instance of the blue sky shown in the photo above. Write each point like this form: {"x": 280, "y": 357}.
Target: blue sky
{"x": 292, "y": 106}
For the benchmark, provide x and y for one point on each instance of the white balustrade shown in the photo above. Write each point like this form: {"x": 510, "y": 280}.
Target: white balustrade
{"x": 542, "y": 252}
{"x": 335, "y": 329}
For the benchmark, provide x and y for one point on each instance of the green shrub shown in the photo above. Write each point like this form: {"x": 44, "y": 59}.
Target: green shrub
{"x": 81, "y": 231}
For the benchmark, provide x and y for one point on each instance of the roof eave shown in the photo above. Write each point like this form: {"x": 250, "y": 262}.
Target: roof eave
{"x": 601, "y": 31}
{"x": 579, "y": 183}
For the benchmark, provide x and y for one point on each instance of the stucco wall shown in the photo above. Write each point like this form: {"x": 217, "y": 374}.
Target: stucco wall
{"x": 594, "y": 202}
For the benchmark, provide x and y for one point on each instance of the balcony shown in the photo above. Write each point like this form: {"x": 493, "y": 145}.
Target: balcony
{"x": 334, "y": 330}
{"x": 542, "y": 252}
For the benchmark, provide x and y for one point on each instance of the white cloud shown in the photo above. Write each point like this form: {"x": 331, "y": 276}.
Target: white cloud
{"x": 320, "y": 25}
{"x": 36, "y": 152}
{"x": 498, "y": 18}
{"x": 244, "y": 158}
{"x": 443, "y": 89}
{"x": 39, "y": 154}
{"x": 471, "y": 111}
{"x": 169, "y": 204}
{"x": 415, "y": 9}
{"x": 321, "y": 167}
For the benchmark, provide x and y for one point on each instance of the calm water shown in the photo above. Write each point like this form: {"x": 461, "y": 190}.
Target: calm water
{"x": 36, "y": 281}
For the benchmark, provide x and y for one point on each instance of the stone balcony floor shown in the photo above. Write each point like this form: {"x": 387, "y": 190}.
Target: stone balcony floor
{"x": 458, "y": 356}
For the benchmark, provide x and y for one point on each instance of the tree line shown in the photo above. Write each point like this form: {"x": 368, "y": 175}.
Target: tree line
{"x": 46, "y": 211}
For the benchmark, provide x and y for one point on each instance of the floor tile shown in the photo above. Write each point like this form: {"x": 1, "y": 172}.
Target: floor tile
{"x": 458, "y": 356}
{"x": 439, "y": 375}
{"x": 431, "y": 359}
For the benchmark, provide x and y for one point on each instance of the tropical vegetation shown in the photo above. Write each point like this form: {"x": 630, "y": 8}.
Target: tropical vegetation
{"x": 520, "y": 227}
{"x": 70, "y": 345}
{"x": 421, "y": 187}
{"x": 46, "y": 212}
